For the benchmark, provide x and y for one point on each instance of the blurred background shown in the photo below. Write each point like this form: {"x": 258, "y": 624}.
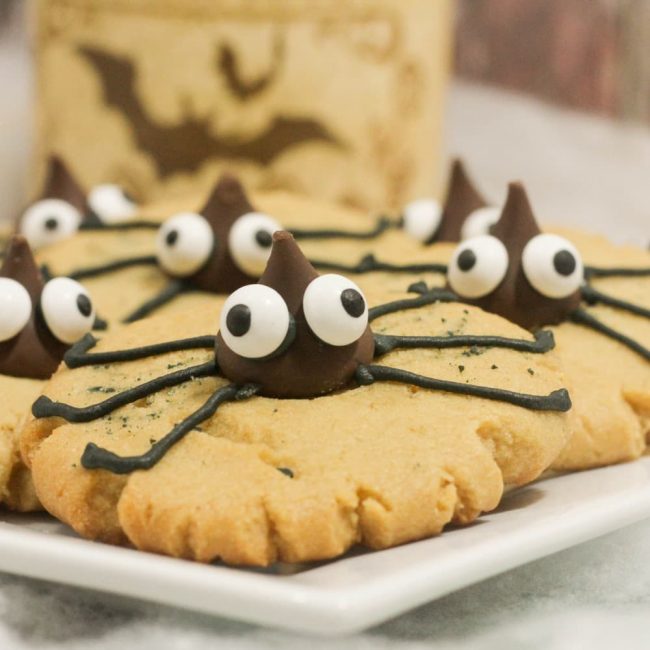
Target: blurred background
{"x": 553, "y": 92}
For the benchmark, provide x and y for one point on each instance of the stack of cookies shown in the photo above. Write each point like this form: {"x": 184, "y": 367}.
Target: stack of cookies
{"x": 262, "y": 377}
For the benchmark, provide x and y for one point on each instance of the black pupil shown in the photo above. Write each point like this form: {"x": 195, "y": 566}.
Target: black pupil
{"x": 466, "y": 260}
{"x": 51, "y": 223}
{"x": 263, "y": 238}
{"x": 84, "y": 305}
{"x": 564, "y": 262}
{"x": 238, "y": 320}
{"x": 353, "y": 302}
{"x": 172, "y": 237}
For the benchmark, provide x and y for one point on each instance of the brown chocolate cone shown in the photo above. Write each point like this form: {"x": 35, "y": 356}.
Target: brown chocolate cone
{"x": 308, "y": 367}
{"x": 34, "y": 352}
{"x": 227, "y": 202}
{"x": 61, "y": 184}
{"x": 461, "y": 200}
{"x": 515, "y": 298}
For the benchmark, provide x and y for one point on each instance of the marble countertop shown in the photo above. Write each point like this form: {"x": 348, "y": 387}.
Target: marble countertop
{"x": 579, "y": 170}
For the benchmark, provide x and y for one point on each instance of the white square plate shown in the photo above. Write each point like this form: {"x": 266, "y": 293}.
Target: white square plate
{"x": 355, "y": 592}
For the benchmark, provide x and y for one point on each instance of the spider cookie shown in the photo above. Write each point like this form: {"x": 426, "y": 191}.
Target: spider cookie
{"x": 198, "y": 256}
{"x": 600, "y": 317}
{"x": 63, "y": 208}
{"x": 38, "y": 322}
{"x": 309, "y": 423}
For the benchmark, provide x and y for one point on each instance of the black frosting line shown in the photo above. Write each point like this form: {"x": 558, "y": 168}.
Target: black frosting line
{"x": 94, "y": 457}
{"x": 46, "y": 273}
{"x": 582, "y": 317}
{"x": 44, "y": 407}
{"x": 593, "y": 296}
{"x": 100, "y": 324}
{"x": 558, "y": 400}
{"x": 110, "y": 267}
{"x": 369, "y": 264}
{"x": 385, "y": 343}
{"x": 173, "y": 289}
{"x": 383, "y": 224}
{"x": 604, "y": 272}
{"x": 77, "y": 356}
{"x": 126, "y": 225}
{"x": 423, "y": 299}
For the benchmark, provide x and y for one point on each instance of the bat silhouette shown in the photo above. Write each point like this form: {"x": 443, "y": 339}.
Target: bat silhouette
{"x": 185, "y": 146}
{"x": 227, "y": 64}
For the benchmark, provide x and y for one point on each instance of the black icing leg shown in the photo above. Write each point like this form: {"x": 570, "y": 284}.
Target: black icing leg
{"x": 94, "y": 271}
{"x": 95, "y": 457}
{"x": 593, "y": 296}
{"x": 383, "y": 224}
{"x": 100, "y": 324}
{"x": 44, "y": 407}
{"x": 421, "y": 300}
{"x": 117, "y": 227}
{"x": 602, "y": 272}
{"x": 369, "y": 264}
{"x": 171, "y": 291}
{"x": 582, "y": 317}
{"x": 558, "y": 400}
{"x": 78, "y": 356}
{"x": 385, "y": 343}
{"x": 46, "y": 273}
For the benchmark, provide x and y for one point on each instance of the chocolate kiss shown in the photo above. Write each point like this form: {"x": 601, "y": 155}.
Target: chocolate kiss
{"x": 61, "y": 184}
{"x": 461, "y": 200}
{"x": 515, "y": 298}
{"x": 34, "y": 352}
{"x": 227, "y": 202}
{"x": 308, "y": 367}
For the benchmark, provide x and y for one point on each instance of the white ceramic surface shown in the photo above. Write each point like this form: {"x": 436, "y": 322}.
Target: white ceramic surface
{"x": 360, "y": 590}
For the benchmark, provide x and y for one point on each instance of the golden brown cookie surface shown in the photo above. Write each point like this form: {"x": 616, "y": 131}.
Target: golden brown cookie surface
{"x": 267, "y": 479}
{"x": 16, "y": 397}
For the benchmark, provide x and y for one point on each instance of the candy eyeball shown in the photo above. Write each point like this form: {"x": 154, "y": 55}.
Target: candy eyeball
{"x": 478, "y": 266}
{"x": 255, "y": 322}
{"x": 250, "y": 240}
{"x": 15, "y": 308}
{"x": 552, "y": 265}
{"x": 49, "y": 221}
{"x": 67, "y": 310}
{"x": 479, "y": 222}
{"x": 335, "y": 309}
{"x": 184, "y": 244}
{"x": 422, "y": 218}
{"x": 111, "y": 203}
